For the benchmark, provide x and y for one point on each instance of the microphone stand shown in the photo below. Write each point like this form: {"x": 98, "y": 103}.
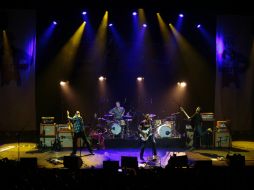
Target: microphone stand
{"x": 18, "y": 139}
{"x": 80, "y": 147}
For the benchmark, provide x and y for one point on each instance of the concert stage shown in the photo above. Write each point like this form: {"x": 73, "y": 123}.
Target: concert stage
{"x": 52, "y": 159}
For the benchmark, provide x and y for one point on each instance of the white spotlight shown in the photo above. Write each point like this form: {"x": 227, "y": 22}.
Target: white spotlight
{"x": 140, "y": 78}
{"x": 63, "y": 83}
{"x": 182, "y": 84}
{"x": 101, "y": 78}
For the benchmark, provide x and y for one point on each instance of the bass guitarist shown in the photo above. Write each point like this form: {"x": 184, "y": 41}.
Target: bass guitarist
{"x": 196, "y": 123}
{"x": 146, "y": 136}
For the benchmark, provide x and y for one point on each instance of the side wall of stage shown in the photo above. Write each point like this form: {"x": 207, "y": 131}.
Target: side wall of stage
{"x": 17, "y": 70}
{"x": 234, "y": 72}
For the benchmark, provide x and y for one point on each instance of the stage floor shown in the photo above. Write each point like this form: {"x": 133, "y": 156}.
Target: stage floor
{"x": 52, "y": 159}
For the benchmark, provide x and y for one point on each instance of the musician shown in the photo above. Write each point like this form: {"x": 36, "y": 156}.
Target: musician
{"x": 79, "y": 131}
{"x": 196, "y": 123}
{"x": 117, "y": 111}
{"x": 146, "y": 134}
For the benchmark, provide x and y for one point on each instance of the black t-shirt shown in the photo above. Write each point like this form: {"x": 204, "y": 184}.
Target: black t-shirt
{"x": 196, "y": 119}
{"x": 144, "y": 125}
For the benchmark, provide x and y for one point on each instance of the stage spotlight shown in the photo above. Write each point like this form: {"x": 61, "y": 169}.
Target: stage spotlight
{"x": 181, "y": 15}
{"x": 182, "y": 84}
{"x": 140, "y": 79}
{"x": 84, "y": 13}
{"x": 54, "y": 22}
{"x": 144, "y": 25}
{"x": 63, "y": 83}
{"x": 101, "y": 78}
{"x": 199, "y": 25}
{"x": 110, "y": 24}
{"x": 134, "y": 13}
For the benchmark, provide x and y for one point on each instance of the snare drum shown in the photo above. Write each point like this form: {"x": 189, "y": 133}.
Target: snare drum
{"x": 115, "y": 128}
{"x": 164, "y": 131}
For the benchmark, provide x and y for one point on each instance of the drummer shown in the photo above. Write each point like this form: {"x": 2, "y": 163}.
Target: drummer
{"x": 118, "y": 113}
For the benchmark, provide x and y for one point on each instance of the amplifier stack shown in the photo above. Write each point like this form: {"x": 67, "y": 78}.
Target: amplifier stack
{"x": 60, "y": 135}
{"x": 47, "y": 134}
{"x": 208, "y": 128}
{"x": 222, "y": 137}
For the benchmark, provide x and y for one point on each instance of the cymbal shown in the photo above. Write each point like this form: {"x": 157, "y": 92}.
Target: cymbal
{"x": 171, "y": 117}
{"x": 101, "y": 118}
{"x": 127, "y": 116}
{"x": 152, "y": 115}
{"x": 108, "y": 115}
{"x": 175, "y": 113}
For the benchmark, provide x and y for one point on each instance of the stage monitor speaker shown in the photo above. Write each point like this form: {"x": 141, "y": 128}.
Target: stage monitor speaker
{"x": 28, "y": 163}
{"x": 72, "y": 162}
{"x": 203, "y": 164}
{"x": 129, "y": 162}
{"x": 111, "y": 165}
{"x": 178, "y": 161}
{"x": 235, "y": 160}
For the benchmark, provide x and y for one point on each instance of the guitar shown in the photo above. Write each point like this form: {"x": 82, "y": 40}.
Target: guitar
{"x": 181, "y": 108}
{"x": 144, "y": 134}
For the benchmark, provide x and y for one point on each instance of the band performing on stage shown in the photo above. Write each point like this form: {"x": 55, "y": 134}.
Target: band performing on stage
{"x": 116, "y": 125}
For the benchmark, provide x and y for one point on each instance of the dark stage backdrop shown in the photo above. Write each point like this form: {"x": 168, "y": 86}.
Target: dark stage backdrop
{"x": 17, "y": 70}
{"x": 125, "y": 58}
{"x": 235, "y": 68}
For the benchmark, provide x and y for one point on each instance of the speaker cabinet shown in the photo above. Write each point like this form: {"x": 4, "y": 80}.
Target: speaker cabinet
{"x": 222, "y": 139}
{"x": 111, "y": 165}
{"x": 72, "y": 162}
{"x": 236, "y": 160}
{"x": 47, "y": 141}
{"x": 28, "y": 163}
{"x": 178, "y": 161}
{"x": 129, "y": 162}
{"x": 203, "y": 164}
{"x": 65, "y": 139}
{"x": 47, "y": 129}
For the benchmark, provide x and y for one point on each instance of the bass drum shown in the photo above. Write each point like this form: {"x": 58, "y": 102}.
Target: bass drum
{"x": 164, "y": 131}
{"x": 115, "y": 128}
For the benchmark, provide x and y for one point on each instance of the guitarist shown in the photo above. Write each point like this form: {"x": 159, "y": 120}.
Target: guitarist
{"x": 78, "y": 129}
{"x": 196, "y": 123}
{"x": 146, "y": 135}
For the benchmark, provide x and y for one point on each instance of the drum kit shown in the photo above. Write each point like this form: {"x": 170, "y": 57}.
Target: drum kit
{"x": 118, "y": 127}
{"x": 165, "y": 128}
